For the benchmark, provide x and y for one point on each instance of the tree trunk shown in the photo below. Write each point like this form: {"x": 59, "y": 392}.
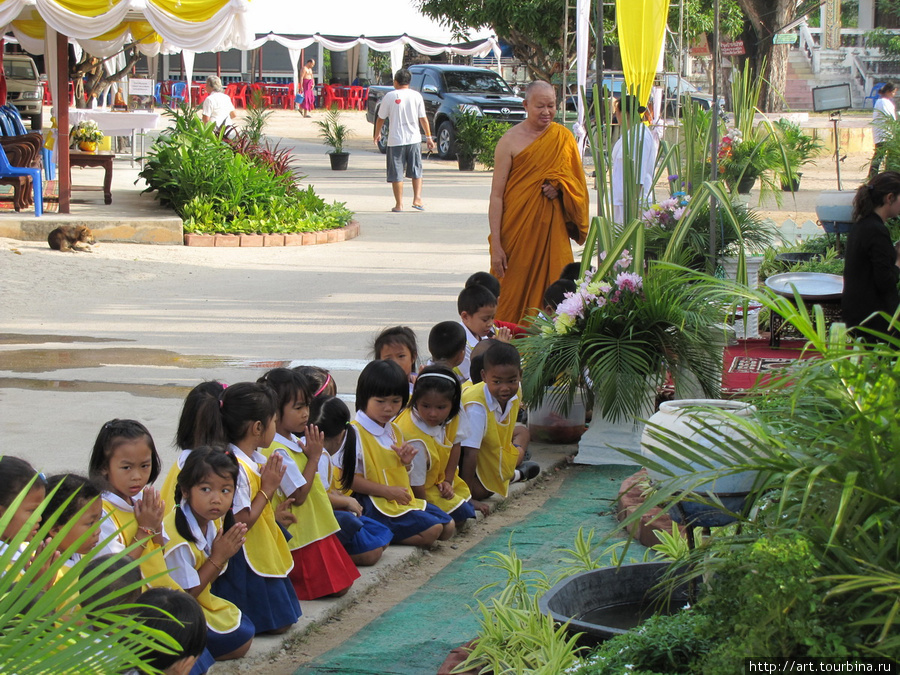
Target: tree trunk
{"x": 769, "y": 60}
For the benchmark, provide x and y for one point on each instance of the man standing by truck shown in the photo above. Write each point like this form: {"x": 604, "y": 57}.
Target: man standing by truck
{"x": 405, "y": 110}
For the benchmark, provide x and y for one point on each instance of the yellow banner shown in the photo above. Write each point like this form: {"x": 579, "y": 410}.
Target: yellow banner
{"x": 195, "y": 11}
{"x": 642, "y": 28}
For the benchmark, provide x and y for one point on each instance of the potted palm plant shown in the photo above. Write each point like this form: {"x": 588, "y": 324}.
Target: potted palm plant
{"x": 801, "y": 149}
{"x": 470, "y": 139}
{"x": 334, "y": 133}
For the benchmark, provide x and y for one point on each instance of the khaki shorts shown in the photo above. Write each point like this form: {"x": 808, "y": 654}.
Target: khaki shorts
{"x": 404, "y": 158}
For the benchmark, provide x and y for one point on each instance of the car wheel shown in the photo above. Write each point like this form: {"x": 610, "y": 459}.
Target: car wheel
{"x": 383, "y": 138}
{"x": 37, "y": 122}
{"x": 446, "y": 140}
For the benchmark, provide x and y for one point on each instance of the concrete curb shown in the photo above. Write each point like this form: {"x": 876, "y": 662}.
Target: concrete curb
{"x": 336, "y": 235}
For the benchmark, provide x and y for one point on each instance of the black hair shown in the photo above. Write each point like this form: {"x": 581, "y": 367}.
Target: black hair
{"x": 110, "y": 564}
{"x": 15, "y": 474}
{"x": 332, "y": 416}
{"x": 501, "y": 354}
{"x": 871, "y": 195}
{"x": 473, "y": 298}
{"x": 476, "y": 360}
{"x": 199, "y": 464}
{"x": 441, "y": 380}
{"x": 200, "y": 403}
{"x": 397, "y": 335}
{"x": 381, "y": 378}
{"x": 571, "y": 271}
{"x": 111, "y": 436}
{"x": 287, "y": 384}
{"x": 178, "y": 615}
{"x": 887, "y": 88}
{"x": 239, "y": 407}
{"x": 556, "y": 292}
{"x": 403, "y": 77}
{"x": 69, "y": 484}
{"x": 318, "y": 377}
{"x": 486, "y": 279}
{"x": 446, "y": 340}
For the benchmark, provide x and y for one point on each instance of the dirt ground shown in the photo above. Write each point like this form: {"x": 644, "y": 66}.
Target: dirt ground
{"x": 407, "y": 580}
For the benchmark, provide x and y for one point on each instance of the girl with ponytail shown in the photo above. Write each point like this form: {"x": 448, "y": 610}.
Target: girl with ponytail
{"x": 202, "y": 538}
{"x": 870, "y": 259}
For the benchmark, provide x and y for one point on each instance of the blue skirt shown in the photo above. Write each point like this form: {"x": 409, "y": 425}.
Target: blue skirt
{"x": 359, "y": 534}
{"x": 269, "y": 602}
{"x": 220, "y": 644}
{"x": 463, "y": 512}
{"x": 409, "y": 524}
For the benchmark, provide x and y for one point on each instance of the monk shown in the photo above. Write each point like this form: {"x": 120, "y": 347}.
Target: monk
{"x": 539, "y": 200}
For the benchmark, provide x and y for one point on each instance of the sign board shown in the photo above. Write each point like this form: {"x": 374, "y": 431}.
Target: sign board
{"x": 785, "y": 38}
{"x": 733, "y": 48}
{"x": 140, "y": 93}
{"x": 832, "y": 97}
{"x": 700, "y": 47}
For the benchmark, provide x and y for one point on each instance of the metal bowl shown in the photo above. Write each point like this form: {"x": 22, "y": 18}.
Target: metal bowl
{"x": 810, "y": 285}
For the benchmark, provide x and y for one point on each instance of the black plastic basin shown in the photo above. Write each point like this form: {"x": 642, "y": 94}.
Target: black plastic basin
{"x": 610, "y": 601}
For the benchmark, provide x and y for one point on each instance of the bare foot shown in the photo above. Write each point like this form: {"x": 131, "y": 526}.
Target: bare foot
{"x": 481, "y": 506}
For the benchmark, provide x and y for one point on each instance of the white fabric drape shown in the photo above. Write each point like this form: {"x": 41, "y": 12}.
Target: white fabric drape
{"x": 187, "y": 58}
{"x": 227, "y": 29}
{"x": 582, "y": 42}
{"x": 9, "y": 10}
{"x": 78, "y": 26}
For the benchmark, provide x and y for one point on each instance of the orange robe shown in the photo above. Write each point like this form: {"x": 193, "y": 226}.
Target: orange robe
{"x": 533, "y": 228}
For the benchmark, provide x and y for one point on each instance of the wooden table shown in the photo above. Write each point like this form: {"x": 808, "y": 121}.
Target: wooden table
{"x": 88, "y": 159}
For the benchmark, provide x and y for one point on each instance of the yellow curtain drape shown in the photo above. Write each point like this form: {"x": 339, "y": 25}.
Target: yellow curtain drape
{"x": 195, "y": 11}
{"x": 33, "y": 27}
{"x": 642, "y": 27}
{"x": 88, "y": 7}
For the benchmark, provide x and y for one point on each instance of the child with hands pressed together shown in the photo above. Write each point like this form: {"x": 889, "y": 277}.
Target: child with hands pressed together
{"x": 321, "y": 565}
{"x": 364, "y": 539}
{"x": 383, "y": 460}
{"x": 124, "y": 462}
{"x": 203, "y": 538}
{"x": 256, "y": 581}
{"x": 431, "y": 423}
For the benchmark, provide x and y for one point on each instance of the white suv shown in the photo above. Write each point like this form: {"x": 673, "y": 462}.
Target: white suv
{"x": 24, "y": 88}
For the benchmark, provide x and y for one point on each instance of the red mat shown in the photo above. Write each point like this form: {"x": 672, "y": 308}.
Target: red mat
{"x": 753, "y": 361}
{"x": 50, "y": 191}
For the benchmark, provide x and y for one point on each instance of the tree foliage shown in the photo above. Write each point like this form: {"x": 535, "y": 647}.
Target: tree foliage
{"x": 91, "y": 78}
{"x": 765, "y": 18}
{"x": 699, "y": 19}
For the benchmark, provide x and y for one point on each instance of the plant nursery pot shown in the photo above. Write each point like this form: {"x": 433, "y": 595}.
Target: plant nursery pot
{"x": 87, "y": 146}
{"x": 600, "y": 443}
{"x": 465, "y": 162}
{"x": 610, "y": 601}
{"x": 339, "y": 160}
{"x": 793, "y": 186}
{"x": 746, "y": 184}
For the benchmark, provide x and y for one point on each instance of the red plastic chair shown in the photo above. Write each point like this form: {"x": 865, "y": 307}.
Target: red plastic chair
{"x": 263, "y": 93}
{"x": 355, "y": 97}
{"x": 237, "y": 92}
{"x": 334, "y": 97}
{"x": 287, "y": 101}
{"x": 48, "y": 97}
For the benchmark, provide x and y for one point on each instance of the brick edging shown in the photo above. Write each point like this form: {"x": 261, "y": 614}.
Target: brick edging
{"x": 349, "y": 231}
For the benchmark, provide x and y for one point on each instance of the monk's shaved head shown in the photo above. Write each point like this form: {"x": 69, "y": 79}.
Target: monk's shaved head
{"x": 539, "y": 86}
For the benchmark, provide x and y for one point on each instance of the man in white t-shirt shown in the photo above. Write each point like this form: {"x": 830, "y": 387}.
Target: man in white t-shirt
{"x": 217, "y": 107}
{"x": 883, "y": 111}
{"x": 405, "y": 109}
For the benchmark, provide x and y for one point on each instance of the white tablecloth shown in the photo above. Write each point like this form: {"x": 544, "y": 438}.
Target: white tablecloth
{"x": 116, "y": 123}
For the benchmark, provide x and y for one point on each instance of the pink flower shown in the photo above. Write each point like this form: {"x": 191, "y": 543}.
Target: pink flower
{"x": 629, "y": 281}
{"x": 624, "y": 261}
{"x": 677, "y": 213}
{"x": 573, "y": 305}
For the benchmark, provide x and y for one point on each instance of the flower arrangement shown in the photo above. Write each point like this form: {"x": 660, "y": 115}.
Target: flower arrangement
{"x": 86, "y": 131}
{"x": 668, "y": 212}
{"x": 618, "y": 334}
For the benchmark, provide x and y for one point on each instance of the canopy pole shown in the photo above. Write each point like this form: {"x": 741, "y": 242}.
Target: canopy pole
{"x": 219, "y": 64}
{"x": 62, "y": 122}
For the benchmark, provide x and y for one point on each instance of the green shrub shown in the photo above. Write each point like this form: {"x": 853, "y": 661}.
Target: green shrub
{"x": 232, "y": 187}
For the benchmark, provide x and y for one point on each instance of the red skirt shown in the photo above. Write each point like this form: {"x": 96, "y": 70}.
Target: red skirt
{"x": 322, "y": 568}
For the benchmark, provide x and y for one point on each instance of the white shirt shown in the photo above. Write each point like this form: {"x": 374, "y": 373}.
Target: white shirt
{"x": 217, "y": 107}
{"x": 643, "y": 146}
{"x": 404, "y": 108}
{"x": 180, "y": 560}
{"x": 466, "y": 365}
{"x": 108, "y": 526}
{"x": 293, "y": 478}
{"x": 476, "y": 418}
{"x": 884, "y": 107}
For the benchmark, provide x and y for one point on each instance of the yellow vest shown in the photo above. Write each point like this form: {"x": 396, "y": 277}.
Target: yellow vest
{"x": 221, "y": 615}
{"x": 497, "y": 456}
{"x": 168, "y": 485}
{"x": 315, "y": 517}
{"x": 153, "y": 565}
{"x": 265, "y": 547}
{"x": 439, "y": 456}
{"x": 382, "y": 465}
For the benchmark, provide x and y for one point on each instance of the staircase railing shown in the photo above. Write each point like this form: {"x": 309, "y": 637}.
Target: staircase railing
{"x": 809, "y": 47}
